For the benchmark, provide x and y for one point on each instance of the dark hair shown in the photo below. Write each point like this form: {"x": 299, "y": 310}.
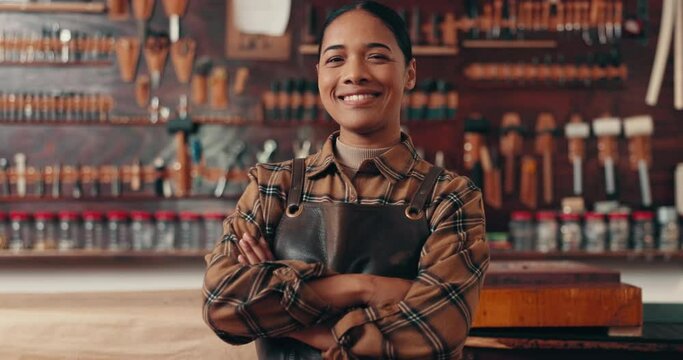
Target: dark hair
{"x": 387, "y": 15}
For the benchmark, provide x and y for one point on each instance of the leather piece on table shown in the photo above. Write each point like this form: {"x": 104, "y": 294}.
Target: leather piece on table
{"x": 116, "y": 325}
{"x": 506, "y": 273}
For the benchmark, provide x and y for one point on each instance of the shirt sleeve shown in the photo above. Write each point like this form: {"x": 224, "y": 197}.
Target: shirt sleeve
{"x": 245, "y": 302}
{"x": 433, "y": 320}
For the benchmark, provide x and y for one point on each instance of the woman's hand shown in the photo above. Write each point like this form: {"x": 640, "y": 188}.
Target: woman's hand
{"x": 253, "y": 251}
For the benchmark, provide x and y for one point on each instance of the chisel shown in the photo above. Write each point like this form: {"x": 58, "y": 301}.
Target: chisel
{"x": 638, "y": 129}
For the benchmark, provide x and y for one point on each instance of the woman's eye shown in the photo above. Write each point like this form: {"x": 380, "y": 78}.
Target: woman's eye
{"x": 334, "y": 59}
{"x": 378, "y": 57}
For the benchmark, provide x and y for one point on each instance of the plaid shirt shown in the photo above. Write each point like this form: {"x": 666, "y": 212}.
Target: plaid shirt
{"x": 242, "y": 302}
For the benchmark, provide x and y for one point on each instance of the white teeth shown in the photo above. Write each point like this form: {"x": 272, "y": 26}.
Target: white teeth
{"x": 358, "y": 97}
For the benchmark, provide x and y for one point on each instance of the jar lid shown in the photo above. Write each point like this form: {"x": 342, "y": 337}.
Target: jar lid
{"x": 117, "y": 215}
{"x": 92, "y": 215}
{"x": 188, "y": 215}
{"x": 141, "y": 215}
{"x": 618, "y": 215}
{"x": 165, "y": 215}
{"x": 214, "y": 216}
{"x": 643, "y": 215}
{"x": 520, "y": 215}
{"x": 68, "y": 215}
{"x": 546, "y": 215}
{"x": 667, "y": 214}
{"x": 592, "y": 215}
{"x": 570, "y": 217}
{"x": 44, "y": 215}
{"x": 19, "y": 215}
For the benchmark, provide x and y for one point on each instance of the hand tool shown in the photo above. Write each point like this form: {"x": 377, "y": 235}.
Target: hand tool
{"x": 232, "y": 155}
{"x": 127, "y": 54}
{"x": 154, "y": 107}
{"x": 65, "y": 40}
{"x": 142, "y": 11}
{"x": 472, "y": 12}
{"x": 20, "y": 171}
{"x": 666, "y": 30}
{"x": 606, "y": 129}
{"x": 296, "y": 101}
{"x": 270, "y": 101}
{"x": 476, "y": 128}
{"x": 117, "y": 9}
{"x": 57, "y": 181}
{"x": 283, "y": 100}
{"x": 266, "y": 154}
{"x": 577, "y": 132}
{"x": 196, "y": 153}
{"x": 449, "y": 30}
{"x": 162, "y": 187}
{"x": 136, "y": 175}
{"x": 492, "y": 184}
{"x": 301, "y": 148}
{"x": 218, "y": 83}
{"x": 241, "y": 77}
{"x": 497, "y": 18}
{"x": 511, "y": 146}
{"x": 174, "y": 10}
{"x": 678, "y": 176}
{"x": 545, "y": 130}
{"x": 638, "y": 129}
{"x": 77, "y": 191}
{"x": 94, "y": 182}
{"x": 528, "y": 182}
{"x": 199, "y": 78}
{"x": 142, "y": 91}
{"x": 182, "y": 127}
{"x": 182, "y": 58}
{"x": 115, "y": 181}
{"x": 40, "y": 183}
{"x": 156, "y": 52}
{"x": 4, "y": 168}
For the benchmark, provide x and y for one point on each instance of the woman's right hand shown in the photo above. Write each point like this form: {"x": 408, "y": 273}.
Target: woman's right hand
{"x": 382, "y": 290}
{"x": 253, "y": 251}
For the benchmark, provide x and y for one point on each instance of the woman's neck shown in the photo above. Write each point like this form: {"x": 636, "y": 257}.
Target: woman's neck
{"x": 372, "y": 140}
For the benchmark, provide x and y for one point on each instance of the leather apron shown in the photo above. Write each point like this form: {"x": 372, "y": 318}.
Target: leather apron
{"x": 382, "y": 240}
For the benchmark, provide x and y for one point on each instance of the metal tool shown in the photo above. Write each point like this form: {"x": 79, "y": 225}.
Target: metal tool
{"x": 156, "y": 51}
{"x": 4, "y": 167}
{"x": 672, "y": 18}
{"x": 94, "y": 182}
{"x": 77, "y": 191}
{"x": 545, "y": 128}
{"x": 577, "y": 131}
{"x": 607, "y": 129}
{"x": 639, "y": 129}
{"x": 115, "y": 182}
{"x": 40, "y": 183}
{"x": 65, "y": 40}
{"x": 162, "y": 187}
{"x": 20, "y": 171}
{"x": 56, "y": 181}
{"x": 232, "y": 156}
{"x": 301, "y": 148}
{"x": 174, "y": 10}
{"x": 136, "y": 176}
{"x": 265, "y": 155}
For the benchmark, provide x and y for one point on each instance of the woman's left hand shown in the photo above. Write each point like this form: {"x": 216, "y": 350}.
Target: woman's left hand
{"x": 253, "y": 251}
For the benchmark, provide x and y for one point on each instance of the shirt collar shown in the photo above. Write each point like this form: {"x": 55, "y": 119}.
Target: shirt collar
{"x": 395, "y": 164}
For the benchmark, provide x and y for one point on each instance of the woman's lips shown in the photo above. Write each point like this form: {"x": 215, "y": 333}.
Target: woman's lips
{"x": 358, "y": 99}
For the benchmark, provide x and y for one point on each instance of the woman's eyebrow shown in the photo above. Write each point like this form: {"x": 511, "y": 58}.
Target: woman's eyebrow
{"x": 333, "y": 47}
{"x": 378, "y": 45}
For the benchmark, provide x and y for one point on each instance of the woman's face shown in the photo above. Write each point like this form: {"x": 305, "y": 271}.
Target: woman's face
{"x": 362, "y": 74}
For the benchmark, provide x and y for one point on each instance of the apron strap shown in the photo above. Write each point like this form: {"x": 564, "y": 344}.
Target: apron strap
{"x": 296, "y": 188}
{"x": 419, "y": 200}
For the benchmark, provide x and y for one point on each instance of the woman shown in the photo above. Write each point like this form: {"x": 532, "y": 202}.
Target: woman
{"x": 362, "y": 249}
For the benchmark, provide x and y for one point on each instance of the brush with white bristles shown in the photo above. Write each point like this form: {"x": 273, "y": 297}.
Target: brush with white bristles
{"x": 576, "y": 131}
{"x": 639, "y": 129}
{"x": 607, "y": 129}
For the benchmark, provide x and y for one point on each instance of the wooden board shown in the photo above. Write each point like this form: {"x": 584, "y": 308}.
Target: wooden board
{"x": 505, "y": 273}
{"x": 594, "y": 305}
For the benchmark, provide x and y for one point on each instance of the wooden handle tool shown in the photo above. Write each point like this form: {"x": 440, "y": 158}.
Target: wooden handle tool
{"x": 218, "y": 83}
{"x": 117, "y": 10}
{"x": 511, "y": 146}
{"x": 678, "y": 176}
{"x": 182, "y": 58}
{"x": 475, "y": 129}
{"x": 528, "y": 183}
{"x": 577, "y": 132}
{"x": 449, "y": 30}
{"x": 20, "y": 171}
{"x": 492, "y": 184}
{"x": 198, "y": 84}
{"x": 174, "y": 10}
{"x": 127, "y": 54}
{"x": 142, "y": 11}
{"x": 241, "y": 77}
{"x": 607, "y": 129}
{"x": 545, "y": 128}
{"x": 678, "y": 58}
{"x": 156, "y": 52}
{"x": 639, "y": 129}
{"x": 142, "y": 91}
{"x": 666, "y": 29}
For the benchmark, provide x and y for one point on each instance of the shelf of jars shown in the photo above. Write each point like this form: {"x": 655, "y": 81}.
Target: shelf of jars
{"x": 418, "y": 50}
{"x": 55, "y": 7}
{"x": 97, "y": 118}
{"x": 628, "y": 256}
{"x": 100, "y": 257}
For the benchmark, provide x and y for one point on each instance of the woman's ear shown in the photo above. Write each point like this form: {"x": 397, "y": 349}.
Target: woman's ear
{"x": 316, "y": 68}
{"x": 411, "y": 75}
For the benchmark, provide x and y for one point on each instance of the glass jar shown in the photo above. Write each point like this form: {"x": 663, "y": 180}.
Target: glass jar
{"x": 117, "y": 231}
{"x": 20, "y": 231}
{"x": 521, "y": 231}
{"x": 190, "y": 231}
{"x": 68, "y": 231}
{"x": 4, "y": 231}
{"x": 166, "y": 230}
{"x": 619, "y": 231}
{"x": 213, "y": 229}
{"x": 44, "y": 231}
{"x": 93, "y": 230}
{"x": 570, "y": 232}
{"x": 669, "y": 229}
{"x": 643, "y": 230}
{"x": 595, "y": 231}
{"x": 546, "y": 231}
{"x": 142, "y": 230}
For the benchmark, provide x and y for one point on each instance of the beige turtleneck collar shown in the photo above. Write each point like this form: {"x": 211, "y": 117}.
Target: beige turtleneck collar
{"x": 351, "y": 157}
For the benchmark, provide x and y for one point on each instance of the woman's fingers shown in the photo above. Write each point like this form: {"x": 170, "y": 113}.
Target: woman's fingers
{"x": 256, "y": 248}
{"x": 266, "y": 249}
{"x": 248, "y": 252}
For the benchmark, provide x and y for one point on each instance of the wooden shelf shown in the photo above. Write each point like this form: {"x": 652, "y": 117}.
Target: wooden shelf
{"x": 99, "y": 257}
{"x": 108, "y": 198}
{"x": 509, "y": 44}
{"x": 642, "y": 256}
{"x": 418, "y": 50}
{"x": 55, "y": 7}
{"x": 97, "y": 63}
{"x": 130, "y": 121}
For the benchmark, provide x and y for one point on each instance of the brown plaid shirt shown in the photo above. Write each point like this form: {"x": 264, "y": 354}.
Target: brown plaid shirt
{"x": 242, "y": 302}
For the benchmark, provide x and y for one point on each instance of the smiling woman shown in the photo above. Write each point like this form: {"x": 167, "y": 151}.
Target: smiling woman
{"x": 362, "y": 249}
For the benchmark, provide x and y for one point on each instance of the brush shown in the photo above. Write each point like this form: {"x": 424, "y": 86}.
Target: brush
{"x": 606, "y": 129}
{"x": 639, "y": 129}
{"x": 576, "y": 132}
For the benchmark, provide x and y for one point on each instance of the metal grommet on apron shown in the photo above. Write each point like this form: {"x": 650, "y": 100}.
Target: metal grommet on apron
{"x": 384, "y": 240}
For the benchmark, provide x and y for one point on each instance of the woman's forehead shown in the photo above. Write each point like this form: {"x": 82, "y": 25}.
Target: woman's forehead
{"x": 358, "y": 26}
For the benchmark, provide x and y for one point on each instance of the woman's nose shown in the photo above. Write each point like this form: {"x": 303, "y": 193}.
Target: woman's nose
{"x": 356, "y": 72}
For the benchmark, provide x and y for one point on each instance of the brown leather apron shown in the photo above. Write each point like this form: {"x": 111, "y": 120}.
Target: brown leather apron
{"x": 350, "y": 238}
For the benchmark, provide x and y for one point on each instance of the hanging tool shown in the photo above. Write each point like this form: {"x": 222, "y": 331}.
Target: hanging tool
{"x": 672, "y": 19}
{"x": 241, "y": 77}
{"x": 20, "y": 171}
{"x": 232, "y": 156}
{"x": 94, "y": 182}
{"x": 182, "y": 127}
{"x": 142, "y": 91}
{"x": 40, "y": 183}
{"x": 511, "y": 146}
{"x": 218, "y": 83}
{"x": 199, "y": 80}
{"x": 182, "y": 58}
{"x": 302, "y": 148}
{"x": 142, "y": 11}
{"x": 162, "y": 187}
{"x": 57, "y": 181}
{"x": 476, "y": 128}
{"x": 492, "y": 183}
{"x": 196, "y": 153}
{"x": 577, "y": 132}
{"x": 136, "y": 175}
{"x": 115, "y": 181}
{"x": 77, "y": 191}
{"x": 117, "y": 10}
{"x": 545, "y": 130}
{"x": 528, "y": 182}
{"x": 678, "y": 176}
{"x": 607, "y": 129}
{"x": 638, "y": 129}
{"x": 266, "y": 154}
{"x": 4, "y": 168}
{"x": 174, "y": 10}
{"x": 156, "y": 52}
